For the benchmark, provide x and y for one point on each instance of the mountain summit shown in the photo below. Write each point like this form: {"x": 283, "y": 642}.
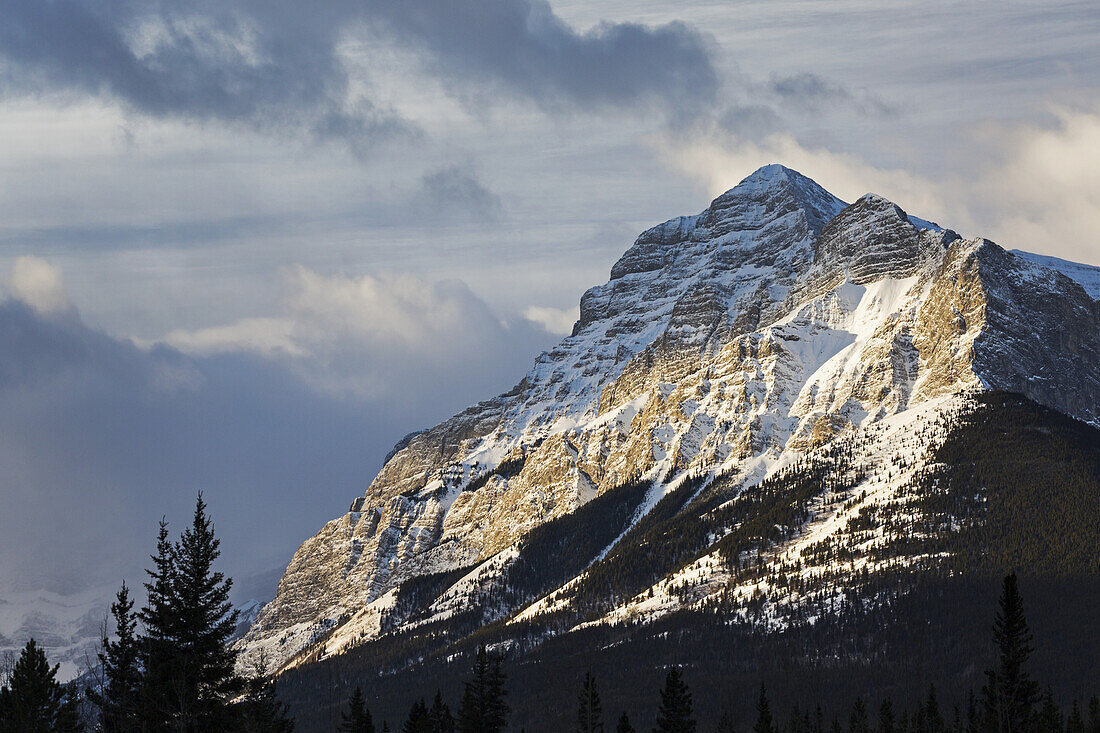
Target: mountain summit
{"x": 765, "y": 332}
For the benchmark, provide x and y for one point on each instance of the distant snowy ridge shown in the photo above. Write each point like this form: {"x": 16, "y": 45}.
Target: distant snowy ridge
{"x": 1087, "y": 276}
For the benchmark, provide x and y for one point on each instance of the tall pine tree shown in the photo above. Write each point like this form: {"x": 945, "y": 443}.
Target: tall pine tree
{"x": 440, "y": 715}
{"x": 419, "y": 721}
{"x": 118, "y": 698}
{"x": 357, "y": 719}
{"x": 206, "y": 622}
{"x": 886, "y": 721}
{"x": 589, "y": 713}
{"x": 33, "y": 701}
{"x": 764, "y": 721}
{"x": 858, "y": 721}
{"x": 157, "y": 645}
{"x": 676, "y": 713}
{"x": 483, "y": 708}
{"x": 190, "y": 679}
{"x": 1009, "y": 695}
{"x": 260, "y": 710}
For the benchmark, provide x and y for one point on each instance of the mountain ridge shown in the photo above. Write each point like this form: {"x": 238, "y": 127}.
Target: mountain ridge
{"x": 730, "y": 342}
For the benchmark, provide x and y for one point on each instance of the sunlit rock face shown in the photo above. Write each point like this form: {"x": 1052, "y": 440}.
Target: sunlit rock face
{"x": 769, "y": 324}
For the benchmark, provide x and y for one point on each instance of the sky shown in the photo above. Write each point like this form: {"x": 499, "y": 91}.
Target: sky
{"x": 246, "y": 246}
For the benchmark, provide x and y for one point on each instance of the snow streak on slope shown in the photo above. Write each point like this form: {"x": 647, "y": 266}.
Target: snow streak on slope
{"x": 895, "y": 449}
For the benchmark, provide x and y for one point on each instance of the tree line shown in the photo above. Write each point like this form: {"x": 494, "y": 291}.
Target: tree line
{"x": 170, "y": 666}
{"x": 177, "y": 672}
{"x": 1010, "y": 701}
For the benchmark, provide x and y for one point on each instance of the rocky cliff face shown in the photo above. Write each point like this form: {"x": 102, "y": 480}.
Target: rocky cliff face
{"x": 727, "y": 342}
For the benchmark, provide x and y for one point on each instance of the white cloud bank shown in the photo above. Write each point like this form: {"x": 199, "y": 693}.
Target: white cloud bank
{"x": 38, "y": 284}
{"x": 371, "y": 334}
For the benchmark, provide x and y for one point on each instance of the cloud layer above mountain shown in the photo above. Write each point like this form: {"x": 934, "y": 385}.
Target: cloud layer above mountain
{"x": 282, "y": 65}
{"x": 102, "y": 436}
{"x": 250, "y": 244}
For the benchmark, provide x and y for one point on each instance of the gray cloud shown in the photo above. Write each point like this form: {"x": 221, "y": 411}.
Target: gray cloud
{"x": 195, "y": 60}
{"x": 457, "y": 191}
{"x": 751, "y": 121}
{"x": 809, "y": 92}
{"x": 523, "y": 46}
{"x": 278, "y": 65}
{"x": 102, "y": 437}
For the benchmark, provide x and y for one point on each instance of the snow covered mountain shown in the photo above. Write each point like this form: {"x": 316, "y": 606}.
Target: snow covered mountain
{"x": 775, "y": 333}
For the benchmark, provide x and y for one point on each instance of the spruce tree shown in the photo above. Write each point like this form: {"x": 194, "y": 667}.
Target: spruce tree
{"x": 886, "y": 720}
{"x": 33, "y": 701}
{"x": 676, "y": 713}
{"x": 764, "y": 721}
{"x": 357, "y": 719}
{"x": 440, "y": 715}
{"x": 1075, "y": 723}
{"x": 1094, "y": 714}
{"x": 1009, "y": 695}
{"x": 933, "y": 718}
{"x": 119, "y": 696}
{"x": 206, "y": 621}
{"x": 418, "y": 721}
{"x": 261, "y": 710}
{"x": 858, "y": 721}
{"x": 725, "y": 724}
{"x": 973, "y": 719}
{"x": 190, "y": 678}
{"x": 157, "y": 644}
{"x": 624, "y": 726}
{"x": 1050, "y": 716}
{"x": 589, "y": 713}
{"x": 483, "y": 708}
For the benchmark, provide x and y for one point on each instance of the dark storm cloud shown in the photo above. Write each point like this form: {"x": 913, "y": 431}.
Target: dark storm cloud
{"x": 751, "y": 121}
{"x": 101, "y": 438}
{"x": 277, "y": 64}
{"x": 524, "y": 46}
{"x": 458, "y": 190}
{"x": 809, "y": 92}
{"x": 194, "y": 60}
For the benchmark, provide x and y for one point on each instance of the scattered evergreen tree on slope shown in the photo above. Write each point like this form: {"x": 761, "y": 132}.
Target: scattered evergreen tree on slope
{"x": 419, "y": 721}
{"x": 261, "y": 711}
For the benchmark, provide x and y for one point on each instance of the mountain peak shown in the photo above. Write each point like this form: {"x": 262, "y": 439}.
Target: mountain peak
{"x": 772, "y": 196}
{"x": 778, "y": 186}
{"x": 871, "y": 238}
